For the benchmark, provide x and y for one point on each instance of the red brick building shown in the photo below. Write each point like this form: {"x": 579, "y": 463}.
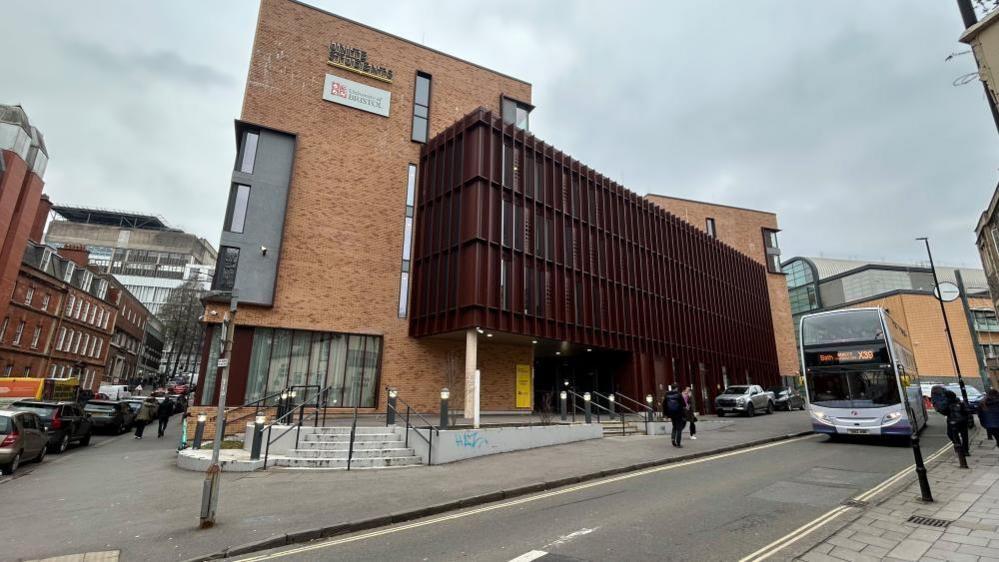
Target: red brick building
{"x": 59, "y": 320}
{"x": 23, "y": 159}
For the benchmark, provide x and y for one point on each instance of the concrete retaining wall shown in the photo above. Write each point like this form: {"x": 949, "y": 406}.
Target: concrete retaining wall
{"x": 459, "y": 444}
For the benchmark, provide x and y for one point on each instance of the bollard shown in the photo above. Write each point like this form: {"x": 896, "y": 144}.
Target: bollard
{"x": 586, "y": 407}
{"x": 610, "y": 402}
{"x": 445, "y": 394}
{"x": 258, "y": 434}
{"x": 282, "y": 405}
{"x": 561, "y": 399}
{"x": 649, "y": 399}
{"x": 390, "y": 409}
{"x": 199, "y": 431}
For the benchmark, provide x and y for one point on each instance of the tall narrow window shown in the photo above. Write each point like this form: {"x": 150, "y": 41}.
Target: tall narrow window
{"x": 505, "y": 284}
{"x": 709, "y": 226}
{"x": 516, "y": 113}
{"x": 29, "y": 295}
{"x": 407, "y": 242}
{"x": 235, "y": 217}
{"x": 45, "y": 302}
{"x": 3, "y": 328}
{"x": 772, "y": 250}
{"x": 421, "y": 107}
{"x": 18, "y": 333}
{"x": 248, "y": 154}
{"x": 35, "y": 336}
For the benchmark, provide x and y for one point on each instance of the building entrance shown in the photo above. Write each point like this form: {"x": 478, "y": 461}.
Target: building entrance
{"x": 581, "y": 371}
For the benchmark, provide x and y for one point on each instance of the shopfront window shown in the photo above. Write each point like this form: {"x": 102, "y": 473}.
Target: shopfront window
{"x": 347, "y": 365}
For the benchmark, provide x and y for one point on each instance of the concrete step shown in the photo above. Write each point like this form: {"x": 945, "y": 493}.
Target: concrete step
{"x": 340, "y": 430}
{"x": 345, "y": 443}
{"x": 376, "y": 462}
{"x": 358, "y": 453}
{"x": 345, "y": 437}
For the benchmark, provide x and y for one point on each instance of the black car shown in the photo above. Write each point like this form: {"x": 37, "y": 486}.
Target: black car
{"x": 64, "y": 422}
{"x": 110, "y": 415}
{"x": 787, "y": 398}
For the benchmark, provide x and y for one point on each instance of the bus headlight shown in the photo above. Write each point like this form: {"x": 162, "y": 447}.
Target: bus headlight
{"x": 822, "y": 418}
{"x": 891, "y": 418}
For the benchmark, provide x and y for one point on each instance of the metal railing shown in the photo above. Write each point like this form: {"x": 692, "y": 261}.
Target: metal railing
{"x": 625, "y": 409}
{"x": 322, "y": 401}
{"x": 431, "y": 428}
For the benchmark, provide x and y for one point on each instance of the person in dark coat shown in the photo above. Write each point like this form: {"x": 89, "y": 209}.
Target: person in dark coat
{"x": 675, "y": 409}
{"x": 163, "y": 413}
{"x": 988, "y": 414}
{"x": 957, "y": 421}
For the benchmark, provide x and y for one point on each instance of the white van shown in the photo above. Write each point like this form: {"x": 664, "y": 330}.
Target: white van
{"x": 115, "y": 391}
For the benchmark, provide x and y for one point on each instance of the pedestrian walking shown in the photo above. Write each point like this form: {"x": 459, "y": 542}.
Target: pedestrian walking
{"x": 688, "y": 413}
{"x": 988, "y": 414}
{"x": 164, "y": 412}
{"x": 147, "y": 413}
{"x": 674, "y": 408}
{"x": 957, "y": 421}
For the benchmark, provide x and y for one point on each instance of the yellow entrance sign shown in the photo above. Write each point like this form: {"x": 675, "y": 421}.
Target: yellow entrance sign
{"x": 524, "y": 386}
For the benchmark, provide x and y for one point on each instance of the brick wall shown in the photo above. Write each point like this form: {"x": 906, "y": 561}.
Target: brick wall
{"x": 742, "y": 229}
{"x": 339, "y": 267}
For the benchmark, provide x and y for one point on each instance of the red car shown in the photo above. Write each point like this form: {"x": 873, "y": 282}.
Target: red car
{"x": 178, "y": 389}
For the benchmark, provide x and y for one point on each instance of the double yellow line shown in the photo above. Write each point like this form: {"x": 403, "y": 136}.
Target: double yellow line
{"x": 518, "y": 501}
{"x": 806, "y": 529}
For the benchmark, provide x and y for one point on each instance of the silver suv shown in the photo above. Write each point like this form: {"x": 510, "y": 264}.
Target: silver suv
{"x": 745, "y": 399}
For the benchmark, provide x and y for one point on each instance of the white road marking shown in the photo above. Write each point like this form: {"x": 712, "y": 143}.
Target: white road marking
{"x": 523, "y": 500}
{"x": 528, "y": 556}
{"x": 566, "y": 538}
{"x": 806, "y": 529}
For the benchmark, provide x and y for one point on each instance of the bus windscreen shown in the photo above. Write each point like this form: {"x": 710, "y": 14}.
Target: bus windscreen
{"x": 845, "y": 327}
{"x": 834, "y": 388}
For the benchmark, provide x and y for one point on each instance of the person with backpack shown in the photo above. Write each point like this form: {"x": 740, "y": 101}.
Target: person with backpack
{"x": 147, "y": 413}
{"x": 674, "y": 408}
{"x": 957, "y": 421}
{"x": 163, "y": 413}
{"x": 688, "y": 413}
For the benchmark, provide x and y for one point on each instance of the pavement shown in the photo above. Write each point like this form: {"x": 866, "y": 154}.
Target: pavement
{"x": 966, "y": 505}
{"x": 128, "y": 495}
{"x": 717, "y": 507}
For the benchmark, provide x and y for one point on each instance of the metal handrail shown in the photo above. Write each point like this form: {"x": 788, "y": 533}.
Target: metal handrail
{"x": 301, "y": 418}
{"x": 648, "y": 410}
{"x": 624, "y": 409}
{"x": 431, "y": 428}
{"x": 646, "y": 407}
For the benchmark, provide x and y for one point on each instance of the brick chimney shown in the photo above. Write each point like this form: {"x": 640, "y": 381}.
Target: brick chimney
{"x": 76, "y": 253}
{"x": 41, "y": 217}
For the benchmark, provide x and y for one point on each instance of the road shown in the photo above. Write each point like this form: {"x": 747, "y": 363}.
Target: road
{"x": 719, "y": 508}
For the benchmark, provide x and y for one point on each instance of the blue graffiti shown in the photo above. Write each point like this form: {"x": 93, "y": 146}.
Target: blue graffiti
{"x": 470, "y": 439}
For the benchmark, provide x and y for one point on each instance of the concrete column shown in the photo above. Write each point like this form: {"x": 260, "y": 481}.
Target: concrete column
{"x": 471, "y": 364}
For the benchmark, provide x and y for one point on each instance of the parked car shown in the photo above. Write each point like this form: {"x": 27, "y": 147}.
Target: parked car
{"x": 115, "y": 391}
{"x": 744, "y": 399}
{"x": 974, "y": 395}
{"x": 178, "y": 388}
{"x": 787, "y": 398}
{"x": 134, "y": 404}
{"x": 110, "y": 415}
{"x": 22, "y": 437}
{"x": 65, "y": 422}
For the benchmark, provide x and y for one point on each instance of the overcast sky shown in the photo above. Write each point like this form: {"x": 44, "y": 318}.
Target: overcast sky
{"x": 840, "y": 116}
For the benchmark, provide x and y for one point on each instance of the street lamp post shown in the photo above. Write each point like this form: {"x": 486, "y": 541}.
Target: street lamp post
{"x": 943, "y": 311}
{"x": 213, "y": 476}
{"x": 445, "y": 394}
{"x": 562, "y": 396}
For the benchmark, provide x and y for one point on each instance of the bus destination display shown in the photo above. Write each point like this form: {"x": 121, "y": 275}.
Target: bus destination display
{"x": 843, "y": 356}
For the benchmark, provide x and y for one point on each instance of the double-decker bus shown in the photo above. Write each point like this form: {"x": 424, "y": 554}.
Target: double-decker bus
{"x": 860, "y": 374}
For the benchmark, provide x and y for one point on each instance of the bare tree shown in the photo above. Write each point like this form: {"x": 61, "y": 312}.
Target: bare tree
{"x": 182, "y": 327}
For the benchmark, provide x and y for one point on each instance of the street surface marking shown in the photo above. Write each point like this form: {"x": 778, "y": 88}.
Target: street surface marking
{"x": 566, "y": 538}
{"x": 806, "y": 529}
{"x": 528, "y": 556}
{"x": 523, "y": 500}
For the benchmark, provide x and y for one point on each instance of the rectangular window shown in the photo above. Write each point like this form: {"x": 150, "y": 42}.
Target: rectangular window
{"x": 46, "y": 260}
{"x": 35, "y": 336}
{"x": 505, "y": 284}
{"x": 235, "y": 216}
{"x": 28, "y": 295}
{"x": 18, "y": 333}
{"x": 7, "y": 370}
{"x": 404, "y": 292}
{"x": 27, "y": 373}
{"x": 79, "y": 308}
{"x": 70, "y": 269}
{"x": 411, "y": 186}
{"x": 516, "y": 113}
{"x": 248, "y": 152}
{"x": 506, "y": 222}
{"x": 45, "y": 302}
{"x": 421, "y": 107}
{"x": 3, "y": 328}
{"x": 69, "y": 305}
{"x": 86, "y": 310}
{"x": 225, "y": 271}
{"x": 772, "y": 250}
{"x": 100, "y": 347}
{"x": 709, "y": 226}
{"x": 62, "y": 338}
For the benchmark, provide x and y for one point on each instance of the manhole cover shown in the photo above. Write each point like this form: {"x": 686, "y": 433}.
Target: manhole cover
{"x": 855, "y": 503}
{"x": 928, "y": 521}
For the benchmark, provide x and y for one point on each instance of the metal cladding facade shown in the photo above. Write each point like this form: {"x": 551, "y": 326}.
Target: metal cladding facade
{"x": 514, "y": 236}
